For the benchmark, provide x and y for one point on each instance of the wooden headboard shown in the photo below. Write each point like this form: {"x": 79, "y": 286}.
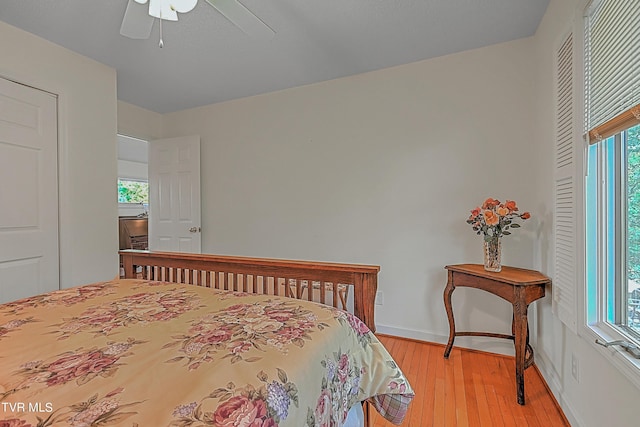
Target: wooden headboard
{"x": 260, "y": 275}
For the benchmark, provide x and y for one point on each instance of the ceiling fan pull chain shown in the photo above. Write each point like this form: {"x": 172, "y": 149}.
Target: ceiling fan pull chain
{"x": 161, "y": 44}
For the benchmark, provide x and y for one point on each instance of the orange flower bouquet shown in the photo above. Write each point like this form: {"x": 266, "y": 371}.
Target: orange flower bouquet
{"x": 494, "y": 219}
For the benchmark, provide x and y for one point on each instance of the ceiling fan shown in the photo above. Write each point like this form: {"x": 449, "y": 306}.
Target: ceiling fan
{"x": 138, "y": 18}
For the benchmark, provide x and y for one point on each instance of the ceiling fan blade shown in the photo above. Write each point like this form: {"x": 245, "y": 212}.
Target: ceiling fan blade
{"x": 137, "y": 22}
{"x": 242, "y": 18}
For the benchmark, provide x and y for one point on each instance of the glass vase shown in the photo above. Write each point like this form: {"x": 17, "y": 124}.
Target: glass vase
{"x": 492, "y": 254}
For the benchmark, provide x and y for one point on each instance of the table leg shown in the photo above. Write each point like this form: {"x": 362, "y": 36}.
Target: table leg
{"x": 520, "y": 342}
{"x": 448, "y": 290}
{"x": 528, "y": 352}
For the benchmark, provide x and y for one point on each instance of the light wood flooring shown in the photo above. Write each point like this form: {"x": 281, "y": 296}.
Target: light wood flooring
{"x": 471, "y": 388}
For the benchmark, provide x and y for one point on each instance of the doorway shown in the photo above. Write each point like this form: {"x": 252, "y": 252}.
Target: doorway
{"x": 159, "y": 184}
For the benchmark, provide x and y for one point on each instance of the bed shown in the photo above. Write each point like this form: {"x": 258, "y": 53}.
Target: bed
{"x": 200, "y": 340}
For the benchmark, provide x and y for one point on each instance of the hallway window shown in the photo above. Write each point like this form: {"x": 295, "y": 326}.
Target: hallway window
{"x": 133, "y": 191}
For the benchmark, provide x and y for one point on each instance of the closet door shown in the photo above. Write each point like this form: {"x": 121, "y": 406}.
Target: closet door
{"x": 29, "y": 259}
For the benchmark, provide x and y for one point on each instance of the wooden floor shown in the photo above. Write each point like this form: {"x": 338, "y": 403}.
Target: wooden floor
{"x": 471, "y": 388}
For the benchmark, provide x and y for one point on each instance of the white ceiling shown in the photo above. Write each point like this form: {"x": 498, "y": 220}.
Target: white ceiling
{"x": 206, "y": 59}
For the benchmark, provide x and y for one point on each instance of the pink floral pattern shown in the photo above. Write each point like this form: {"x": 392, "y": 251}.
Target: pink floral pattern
{"x": 14, "y": 325}
{"x": 14, "y": 422}
{"x": 105, "y": 411}
{"x": 143, "y": 307}
{"x": 265, "y": 406}
{"x": 80, "y": 366}
{"x": 357, "y": 326}
{"x": 340, "y": 390}
{"x": 65, "y": 297}
{"x": 245, "y": 329}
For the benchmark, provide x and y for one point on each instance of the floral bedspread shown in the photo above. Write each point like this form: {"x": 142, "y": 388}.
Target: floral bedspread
{"x": 140, "y": 353}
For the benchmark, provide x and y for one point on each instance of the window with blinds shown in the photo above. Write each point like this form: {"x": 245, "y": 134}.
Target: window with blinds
{"x": 612, "y": 189}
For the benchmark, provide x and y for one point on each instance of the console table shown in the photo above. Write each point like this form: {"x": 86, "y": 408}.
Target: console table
{"x": 518, "y": 286}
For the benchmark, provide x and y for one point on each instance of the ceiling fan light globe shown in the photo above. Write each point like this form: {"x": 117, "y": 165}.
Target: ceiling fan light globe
{"x": 183, "y": 6}
{"x": 162, "y": 9}
{"x": 141, "y": 1}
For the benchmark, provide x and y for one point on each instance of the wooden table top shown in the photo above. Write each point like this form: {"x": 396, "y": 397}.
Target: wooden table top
{"x": 511, "y": 275}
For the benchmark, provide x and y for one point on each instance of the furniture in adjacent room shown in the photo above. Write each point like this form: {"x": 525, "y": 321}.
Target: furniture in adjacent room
{"x": 518, "y": 286}
{"x": 134, "y": 232}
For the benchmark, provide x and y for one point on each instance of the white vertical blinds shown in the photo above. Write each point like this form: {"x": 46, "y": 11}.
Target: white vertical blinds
{"x": 564, "y": 281}
{"x": 612, "y": 59}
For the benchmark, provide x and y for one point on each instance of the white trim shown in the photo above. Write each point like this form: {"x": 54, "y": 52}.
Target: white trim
{"x": 554, "y": 382}
{"x": 412, "y": 334}
{"x": 581, "y": 147}
{"x": 623, "y": 361}
{"x": 486, "y": 344}
{"x": 597, "y": 327}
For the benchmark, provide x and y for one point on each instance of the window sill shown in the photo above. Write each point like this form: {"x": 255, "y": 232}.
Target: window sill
{"x": 622, "y": 360}
{"x": 131, "y": 206}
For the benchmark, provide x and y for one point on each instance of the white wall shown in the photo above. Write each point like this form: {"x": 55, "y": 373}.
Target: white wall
{"x": 138, "y": 122}
{"x": 379, "y": 168}
{"x": 602, "y": 396}
{"x": 87, "y": 148}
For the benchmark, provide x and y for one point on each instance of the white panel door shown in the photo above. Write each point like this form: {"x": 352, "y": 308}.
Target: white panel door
{"x": 174, "y": 195}
{"x": 29, "y": 259}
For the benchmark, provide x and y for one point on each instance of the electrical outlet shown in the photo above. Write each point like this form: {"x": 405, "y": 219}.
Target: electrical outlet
{"x": 575, "y": 367}
{"x": 379, "y": 298}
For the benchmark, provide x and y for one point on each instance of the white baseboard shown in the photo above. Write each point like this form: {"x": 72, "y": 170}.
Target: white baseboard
{"x": 552, "y": 378}
{"x": 411, "y": 334}
{"x": 490, "y": 345}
